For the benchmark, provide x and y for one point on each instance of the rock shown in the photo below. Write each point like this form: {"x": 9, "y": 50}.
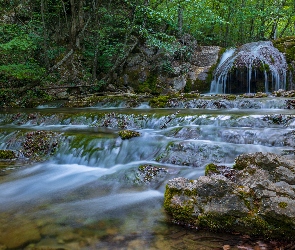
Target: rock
{"x": 257, "y": 197}
{"x": 206, "y": 56}
{"x": 179, "y": 83}
{"x": 155, "y": 71}
{"x": 40, "y": 144}
{"x": 150, "y": 173}
{"x": 127, "y": 134}
{"x": 15, "y": 235}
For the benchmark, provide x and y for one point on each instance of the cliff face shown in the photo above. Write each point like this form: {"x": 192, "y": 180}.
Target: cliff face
{"x": 152, "y": 71}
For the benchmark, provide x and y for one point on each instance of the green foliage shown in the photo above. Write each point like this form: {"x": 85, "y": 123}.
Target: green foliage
{"x": 103, "y": 33}
{"x": 29, "y": 72}
{"x": 286, "y": 45}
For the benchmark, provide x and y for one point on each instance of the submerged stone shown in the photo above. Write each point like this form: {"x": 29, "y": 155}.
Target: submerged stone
{"x": 15, "y": 235}
{"x": 257, "y": 198}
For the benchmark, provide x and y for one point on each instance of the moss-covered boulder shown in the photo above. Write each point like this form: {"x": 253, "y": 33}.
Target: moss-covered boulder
{"x": 255, "y": 198}
{"x": 127, "y": 134}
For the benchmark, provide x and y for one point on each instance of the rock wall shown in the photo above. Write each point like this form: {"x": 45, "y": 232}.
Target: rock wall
{"x": 153, "y": 71}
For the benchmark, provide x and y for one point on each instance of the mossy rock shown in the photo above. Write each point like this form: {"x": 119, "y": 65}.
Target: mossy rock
{"x": 148, "y": 173}
{"x": 230, "y": 97}
{"x": 38, "y": 145}
{"x": 7, "y": 154}
{"x": 211, "y": 168}
{"x": 127, "y": 134}
{"x": 286, "y": 45}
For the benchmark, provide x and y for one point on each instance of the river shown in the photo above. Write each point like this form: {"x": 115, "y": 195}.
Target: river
{"x": 101, "y": 192}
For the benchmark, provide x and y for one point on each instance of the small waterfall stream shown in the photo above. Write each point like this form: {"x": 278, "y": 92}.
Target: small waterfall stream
{"x": 94, "y": 193}
{"x": 253, "y": 67}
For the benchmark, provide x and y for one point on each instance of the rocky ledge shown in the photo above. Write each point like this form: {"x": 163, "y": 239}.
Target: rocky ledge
{"x": 255, "y": 197}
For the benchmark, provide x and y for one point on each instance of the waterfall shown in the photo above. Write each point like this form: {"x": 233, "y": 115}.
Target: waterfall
{"x": 217, "y": 85}
{"x": 254, "y": 67}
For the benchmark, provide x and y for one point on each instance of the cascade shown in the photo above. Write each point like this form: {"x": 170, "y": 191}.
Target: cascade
{"x": 254, "y": 67}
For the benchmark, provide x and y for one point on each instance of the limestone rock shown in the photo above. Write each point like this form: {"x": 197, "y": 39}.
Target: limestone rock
{"x": 154, "y": 71}
{"x": 257, "y": 197}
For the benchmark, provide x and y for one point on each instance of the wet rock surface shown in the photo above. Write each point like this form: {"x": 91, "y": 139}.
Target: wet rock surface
{"x": 28, "y": 147}
{"x": 16, "y": 234}
{"x": 256, "y": 197}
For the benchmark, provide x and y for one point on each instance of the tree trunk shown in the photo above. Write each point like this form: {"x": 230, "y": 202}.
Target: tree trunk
{"x": 45, "y": 33}
{"x": 94, "y": 63}
{"x": 77, "y": 23}
{"x": 180, "y": 20}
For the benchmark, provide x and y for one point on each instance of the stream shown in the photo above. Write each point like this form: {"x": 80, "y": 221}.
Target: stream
{"x": 99, "y": 191}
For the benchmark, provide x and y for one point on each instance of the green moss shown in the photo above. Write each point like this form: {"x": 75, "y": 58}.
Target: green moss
{"x": 210, "y": 169}
{"x": 283, "y": 204}
{"x": 216, "y": 222}
{"x": 151, "y": 85}
{"x": 181, "y": 213}
{"x": 7, "y": 154}
{"x": 191, "y": 95}
{"x": 188, "y": 86}
{"x": 286, "y": 45}
{"x": 254, "y": 225}
{"x": 230, "y": 97}
{"x": 159, "y": 102}
{"x": 127, "y": 134}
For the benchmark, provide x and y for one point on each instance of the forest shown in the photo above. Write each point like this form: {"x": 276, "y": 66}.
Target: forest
{"x": 84, "y": 42}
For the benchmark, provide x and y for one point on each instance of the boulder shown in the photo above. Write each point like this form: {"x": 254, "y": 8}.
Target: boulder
{"x": 255, "y": 197}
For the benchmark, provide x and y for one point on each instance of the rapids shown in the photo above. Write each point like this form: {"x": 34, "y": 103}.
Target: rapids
{"x": 93, "y": 194}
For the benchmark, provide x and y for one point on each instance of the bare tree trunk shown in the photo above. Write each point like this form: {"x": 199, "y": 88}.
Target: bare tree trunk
{"x": 77, "y": 22}
{"x": 180, "y": 20}
{"x": 45, "y": 33}
{"x": 94, "y": 64}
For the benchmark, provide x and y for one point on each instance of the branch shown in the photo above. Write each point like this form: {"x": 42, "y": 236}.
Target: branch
{"x": 62, "y": 60}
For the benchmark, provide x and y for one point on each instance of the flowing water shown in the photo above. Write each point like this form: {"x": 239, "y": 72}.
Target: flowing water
{"x": 93, "y": 194}
{"x": 253, "y": 67}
